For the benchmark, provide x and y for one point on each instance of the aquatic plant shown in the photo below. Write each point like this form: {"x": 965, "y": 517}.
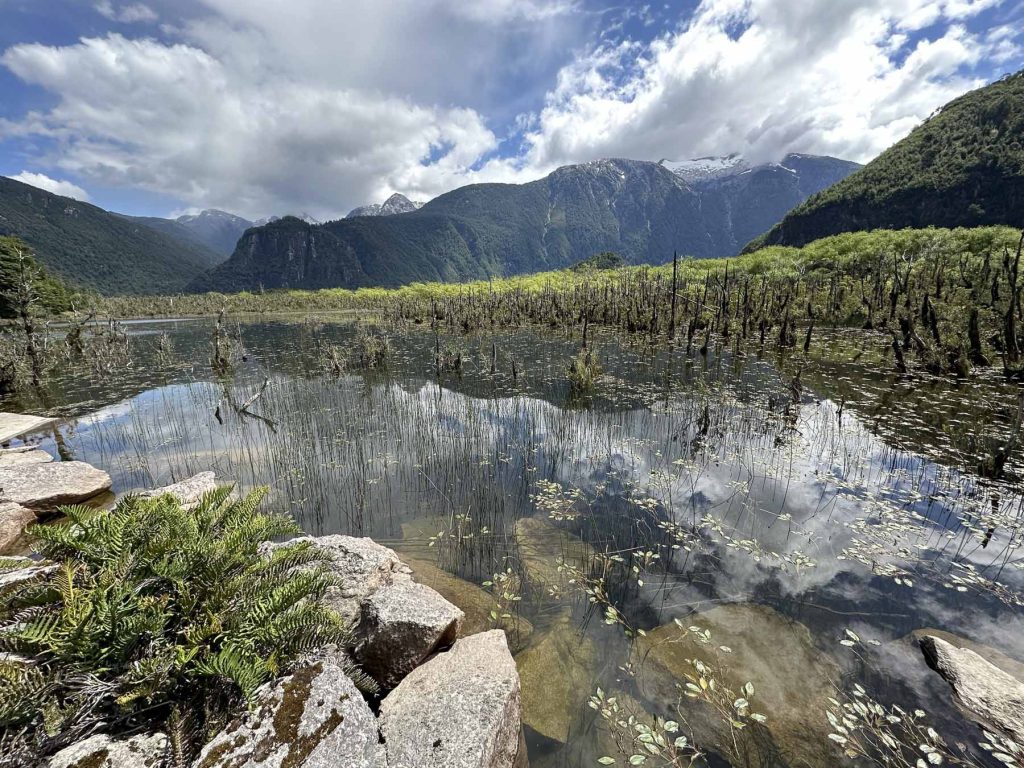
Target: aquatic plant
{"x": 584, "y": 369}
{"x": 154, "y": 612}
{"x": 371, "y": 348}
{"x": 866, "y": 730}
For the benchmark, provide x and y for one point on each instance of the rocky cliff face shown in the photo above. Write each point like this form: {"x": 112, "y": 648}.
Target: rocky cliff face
{"x": 641, "y": 210}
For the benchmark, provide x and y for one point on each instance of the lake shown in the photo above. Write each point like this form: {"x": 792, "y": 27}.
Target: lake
{"x": 731, "y": 517}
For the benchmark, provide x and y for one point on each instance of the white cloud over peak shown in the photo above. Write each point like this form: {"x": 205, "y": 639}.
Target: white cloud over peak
{"x": 56, "y": 186}
{"x": 763, "y": 77}
{"x": 260, "y": 107}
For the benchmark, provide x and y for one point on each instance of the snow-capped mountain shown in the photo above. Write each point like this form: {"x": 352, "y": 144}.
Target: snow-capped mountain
{"x": 218, "y": 230}
{"x": 397, "y": 203}
{"x": 707, "y": 168}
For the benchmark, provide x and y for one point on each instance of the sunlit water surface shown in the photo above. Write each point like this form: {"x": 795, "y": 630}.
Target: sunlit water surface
{"x": 701, "y": 489}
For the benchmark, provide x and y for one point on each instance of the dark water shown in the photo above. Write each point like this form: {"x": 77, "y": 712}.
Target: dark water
{"x": 707, "y": 490}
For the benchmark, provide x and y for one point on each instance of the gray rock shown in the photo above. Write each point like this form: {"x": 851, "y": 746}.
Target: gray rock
{"x": 44, "y": 487}
{"x": 459, "y": 710}
{"x": 362, "y": 565}
{"x": 401, "y": 625}
{"x": 188, "y": 491}
{"x": 992, "y": 697}
{"x": 12, "y": 457}
{"x": 14, "y": 518}
{"x": 100, "y": 751}
{"x": 313, "y": 718}
{"x": 11, "y": 578}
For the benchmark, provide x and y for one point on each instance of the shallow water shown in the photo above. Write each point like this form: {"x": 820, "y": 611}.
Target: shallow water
{"x": 703, "y": 490}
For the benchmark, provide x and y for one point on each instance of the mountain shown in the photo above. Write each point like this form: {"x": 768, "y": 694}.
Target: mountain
{"x": 962, "y": 167}
{"x": 219, "y": 230}
{"x": 640, "y": 210}
{"x": 750, "y": 199}
{"x": 88, "y": 247}
{"x": 395, "y": 204}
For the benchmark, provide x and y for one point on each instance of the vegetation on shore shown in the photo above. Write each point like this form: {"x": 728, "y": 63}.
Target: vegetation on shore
{"x": 949, "y": 300}
{"x": 154, "y": 616}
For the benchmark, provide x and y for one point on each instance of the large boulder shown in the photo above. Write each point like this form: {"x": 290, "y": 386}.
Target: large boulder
{"x": 791, "y": 677}
{"x": 188, "y": 491}
{"x": 992, "y": 697}
{"x": 558, "y": 670}
{"x": 475, "y": 602}
{"x": 313, "y": 718}
{"x": 101, "y": 751}
{"x": 14, "y": 519}
{"x": 544, "y": 549}
{"x": 25, "y": 454}
{"x": 44, "y": 487}
{"x": 401, "y": 625}
{"x": 362, "y": 565}
{"x": 459, "y": 710}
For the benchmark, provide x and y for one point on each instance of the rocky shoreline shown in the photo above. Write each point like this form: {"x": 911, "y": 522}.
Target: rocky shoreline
{"x": 447, "y": 700}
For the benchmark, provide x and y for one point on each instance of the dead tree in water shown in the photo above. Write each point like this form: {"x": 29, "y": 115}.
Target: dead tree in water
{"x": 1013, "y": 305}
{"x": 24, "y": 297}
{"x": 675, "y": 273}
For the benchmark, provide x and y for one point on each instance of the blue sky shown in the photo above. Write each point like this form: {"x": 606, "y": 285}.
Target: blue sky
{"x": 316, "y": 106}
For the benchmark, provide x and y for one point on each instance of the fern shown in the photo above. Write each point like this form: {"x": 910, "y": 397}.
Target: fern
{"x": 159, "y": 613}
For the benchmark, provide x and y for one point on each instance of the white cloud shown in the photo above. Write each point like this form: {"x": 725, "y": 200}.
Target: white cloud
{"x": 174, "y": 120}
{"x": 264, "y": 107}
{"x": 763, "y": 77}
{"x": 56, "y": 186}
{"x": 133, "y": 13}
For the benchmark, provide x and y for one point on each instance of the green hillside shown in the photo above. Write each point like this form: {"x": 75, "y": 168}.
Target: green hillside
{"x": 964, "y": 166}
{"x": 88, "y": 247}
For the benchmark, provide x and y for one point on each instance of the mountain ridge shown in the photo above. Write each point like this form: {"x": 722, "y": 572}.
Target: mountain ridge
{"x": 639, "y": 209}
{"x": 88, "y": 247}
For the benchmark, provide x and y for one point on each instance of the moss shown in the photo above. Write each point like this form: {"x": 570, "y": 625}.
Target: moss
{"x": 99, "y": 759}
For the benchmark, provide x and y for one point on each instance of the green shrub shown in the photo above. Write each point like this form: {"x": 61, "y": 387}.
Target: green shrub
{"x": 155, "y": 612}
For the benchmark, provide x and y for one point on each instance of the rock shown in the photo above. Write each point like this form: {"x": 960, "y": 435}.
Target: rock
{"x": 313, "y": 718}
{"x": 558, "y": 671}
{"x": 100, "y": 751}
{"x": 475, "y": 602}
{"x": 362, "y": 565}
{"x": 459, "y": 710}
{"x": 542, "y": 546}
{"x": 44, "y": 487}
{"x": 792, "y": 681}
{"x": 12, "y": 457}
{"x": 988, "y": 653}
{"x": 188, "y": 491}
{"x": 10, "y": 578}
{"x": 401, "y": 624}
{"x": 14, "y": 518}
{"x": 994, "y": 698}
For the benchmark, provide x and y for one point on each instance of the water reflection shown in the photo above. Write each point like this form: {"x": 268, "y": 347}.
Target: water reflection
{"x": 704, "y": 490}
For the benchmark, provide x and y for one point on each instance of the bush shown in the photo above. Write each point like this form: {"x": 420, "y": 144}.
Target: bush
{"x": 154, "y": 613}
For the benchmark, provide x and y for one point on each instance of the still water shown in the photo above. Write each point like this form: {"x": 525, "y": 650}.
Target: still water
{"x": 689, "y": 513}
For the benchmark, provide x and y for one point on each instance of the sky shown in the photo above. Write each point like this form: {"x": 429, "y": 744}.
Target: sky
{"x": 262, "y": 107}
